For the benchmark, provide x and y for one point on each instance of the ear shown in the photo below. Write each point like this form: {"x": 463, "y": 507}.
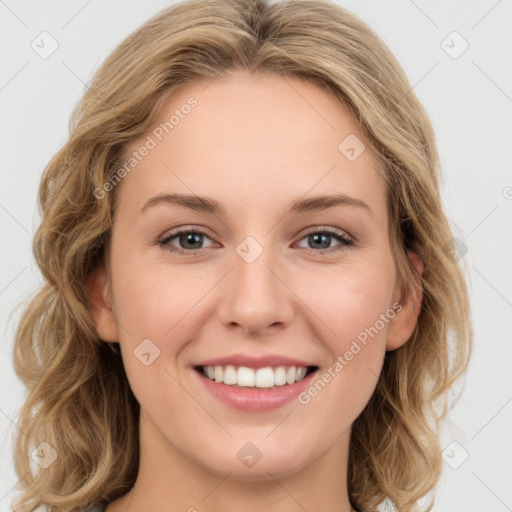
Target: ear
{"x": 401, "y": 327}
{"x": 100, "y": 304}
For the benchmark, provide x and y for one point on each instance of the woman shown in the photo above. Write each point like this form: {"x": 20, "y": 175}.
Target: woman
{"x": 248, "y": 302}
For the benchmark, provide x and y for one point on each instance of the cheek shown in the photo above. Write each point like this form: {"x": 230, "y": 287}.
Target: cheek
{"x": 354, "y": 305}
{"x": 351, "y": 300}
{"x": 341, "y": 389}
{"x": 152, "y": 298}
{"x": 156, "y": 318}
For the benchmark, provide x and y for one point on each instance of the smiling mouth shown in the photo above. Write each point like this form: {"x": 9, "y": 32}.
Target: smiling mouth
{"x": 269, "y": 377}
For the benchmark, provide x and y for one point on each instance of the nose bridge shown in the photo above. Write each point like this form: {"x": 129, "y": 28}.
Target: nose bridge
{"x": 255, "y": 297}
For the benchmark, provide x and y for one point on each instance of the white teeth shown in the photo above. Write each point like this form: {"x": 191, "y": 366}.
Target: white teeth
{"x": 301, "y": 372}
{"x": 245, "y": 376}
{"x": 267, "y": 377}
{"x": 264, "y": 378}
{"x": 280, "y": 376}
{"x": 230, "y": 375}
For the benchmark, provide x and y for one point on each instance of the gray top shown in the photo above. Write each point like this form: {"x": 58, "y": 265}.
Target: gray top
{"x": 94, "y": 508}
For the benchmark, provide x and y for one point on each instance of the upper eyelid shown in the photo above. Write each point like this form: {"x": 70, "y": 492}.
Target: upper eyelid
{"x": 172, "y": 233}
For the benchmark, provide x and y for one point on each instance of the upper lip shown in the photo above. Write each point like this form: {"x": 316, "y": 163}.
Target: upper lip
{"x": 254, "y": 362}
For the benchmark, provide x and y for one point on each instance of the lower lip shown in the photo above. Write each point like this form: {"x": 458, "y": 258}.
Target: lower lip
{"x": 250, "y": 399}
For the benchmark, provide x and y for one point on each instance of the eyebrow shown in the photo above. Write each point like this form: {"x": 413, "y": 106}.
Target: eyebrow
{"x": 209, "y": 205}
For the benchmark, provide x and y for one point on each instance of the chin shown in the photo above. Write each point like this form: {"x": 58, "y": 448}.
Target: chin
{"x": 262, "y": 467}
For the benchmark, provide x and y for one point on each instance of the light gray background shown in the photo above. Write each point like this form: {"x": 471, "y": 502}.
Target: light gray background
{"x": 469, "y": 99}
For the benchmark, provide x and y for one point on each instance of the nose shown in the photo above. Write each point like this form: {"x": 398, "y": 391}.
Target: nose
{"x": 255, "y": 296}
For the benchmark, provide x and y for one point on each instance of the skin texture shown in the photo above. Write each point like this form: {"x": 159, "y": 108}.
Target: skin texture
{"x": 255, "y": 143}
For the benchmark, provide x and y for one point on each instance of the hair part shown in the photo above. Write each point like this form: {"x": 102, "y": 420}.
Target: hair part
{"x": 79, "y": 399}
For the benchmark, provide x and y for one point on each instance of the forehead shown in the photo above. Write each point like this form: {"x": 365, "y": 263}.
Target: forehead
{"x": 250, "y": 141}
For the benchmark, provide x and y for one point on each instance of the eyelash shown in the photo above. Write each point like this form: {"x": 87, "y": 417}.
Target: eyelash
{"x": 345, "y": 241}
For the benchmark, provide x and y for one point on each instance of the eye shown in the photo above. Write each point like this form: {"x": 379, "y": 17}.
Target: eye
{"x": 319, "y": 240}
{"x": 188, "y": 240}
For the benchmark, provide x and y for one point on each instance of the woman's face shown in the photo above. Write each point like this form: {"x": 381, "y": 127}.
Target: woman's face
{"x": 255, "y": 284}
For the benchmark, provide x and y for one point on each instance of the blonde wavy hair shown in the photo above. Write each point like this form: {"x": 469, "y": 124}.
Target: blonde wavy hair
{"x": 79, "y": 400}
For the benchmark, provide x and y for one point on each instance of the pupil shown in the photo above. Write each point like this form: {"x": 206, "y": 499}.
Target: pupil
{"x": 189, "y": 237}
{"x": 321, "y": 235}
